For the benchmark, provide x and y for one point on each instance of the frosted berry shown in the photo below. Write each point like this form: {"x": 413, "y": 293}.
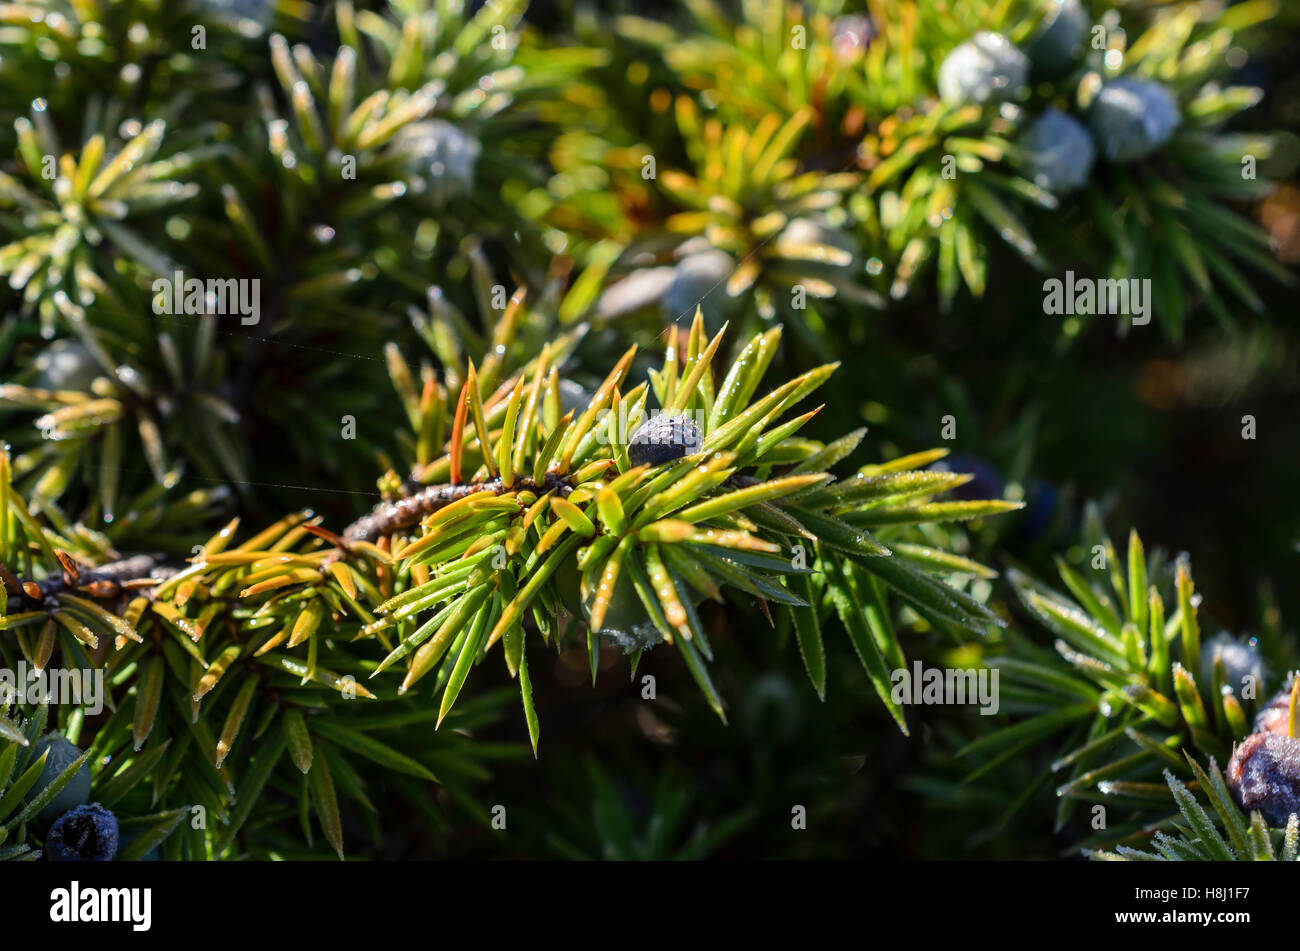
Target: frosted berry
{"x": 663, "y": 439}
{"x": 1058, "y": 152}
{"x": 1131, "y": 118}
{"x": 1264, "y": 774}
{"x": 1059, "y": 42}
{"x": 84, "y": 834}
{"x": 61, "y": 755}
{"x": 986, "y": 69}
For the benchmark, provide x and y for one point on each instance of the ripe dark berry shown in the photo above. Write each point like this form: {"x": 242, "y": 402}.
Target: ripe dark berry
{"x": 1264, "y": 774}
{"x": 1059, "y": 152}
{"x": 84, "y": 834}
{"x": 663, "y": 439}
{"x": 987, "y": 482}
{"x": 61, "y": 755}
{"x": 1060, "y": 39}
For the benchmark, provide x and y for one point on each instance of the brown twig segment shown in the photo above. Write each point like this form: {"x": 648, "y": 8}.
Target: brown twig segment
{"x": 112, "y": 579}
{"x": 391, "y": 517}
{"x": 106, "y": 581}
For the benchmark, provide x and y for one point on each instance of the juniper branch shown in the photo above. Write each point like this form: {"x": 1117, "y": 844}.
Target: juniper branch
{"x": 105, "y": 582}
{"x": 391, "y": 517}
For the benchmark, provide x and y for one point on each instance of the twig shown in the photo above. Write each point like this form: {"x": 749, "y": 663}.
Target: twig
{"x": 110, "y": 580}
{"x": 105, "y": 582}
{"x": 391, "y": 517}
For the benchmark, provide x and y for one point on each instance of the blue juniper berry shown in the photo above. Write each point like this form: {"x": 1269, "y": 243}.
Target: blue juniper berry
{"x": 85, "y": 834}
{"x": 663, "y": 439}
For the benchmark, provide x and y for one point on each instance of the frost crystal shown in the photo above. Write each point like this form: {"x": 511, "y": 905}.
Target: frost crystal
{"x": 634, "y": 637}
